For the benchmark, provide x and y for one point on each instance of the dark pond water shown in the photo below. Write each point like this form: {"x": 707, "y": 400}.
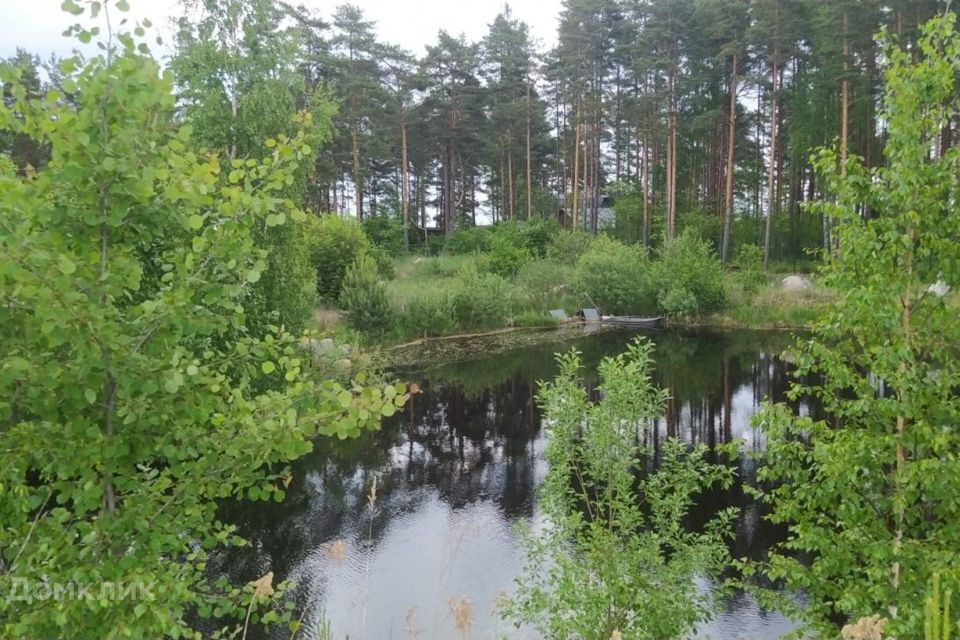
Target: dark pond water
{"x": 460, "y": 467}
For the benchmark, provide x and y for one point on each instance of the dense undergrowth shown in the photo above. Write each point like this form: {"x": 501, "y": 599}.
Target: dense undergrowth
{"x": 512, "y": 274}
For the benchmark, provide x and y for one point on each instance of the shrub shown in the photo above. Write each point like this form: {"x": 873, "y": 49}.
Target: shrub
{"x": 534, "y": 319}
{"x": 470, "y": 240}
{"x": 567, "y": 245}
{"x": 505, "y": 259}
{"x": 536, "y": 235}
{"x": 481, "y": 301}
{"x": 364, "y": 298}
{"x": 543, "y": 283}
{"x": 706, "y": 226}
{"x": 616, "y": 277}
{"x": 617, "y": 558}
{"x": 533, "y": 235}
{"x": 385, "y": 233}
{"x": 336, "y": 244}
{"x": 689, "y": 277}
{"x": 749, "y": 265}
{"x": 285, "y": 295}
{"x": 386, "y": 266}
{"x": 428, "y": 315}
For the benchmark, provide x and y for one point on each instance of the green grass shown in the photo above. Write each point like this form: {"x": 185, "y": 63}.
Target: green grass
{"x": 767, "y": 306}
{"x": 423, "y": 281}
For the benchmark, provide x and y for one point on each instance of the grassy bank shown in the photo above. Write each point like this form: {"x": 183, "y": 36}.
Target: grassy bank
{"x": 511, "y": 275}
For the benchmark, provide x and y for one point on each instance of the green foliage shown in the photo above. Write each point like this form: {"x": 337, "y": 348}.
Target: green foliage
{"x": 938, "y": 623}
{"x": 286, "y": 294}
{"x": 689, "y": 277}
{"x": 616, "y": 277}
{"x": 128, "y": 405}
{"x": 700, "y": 224}
{"x": 480, "y": 301}
{"x": 748, "y": 263}
{"x": 567, "y": 245}
{"x": 385, "y": 233}
{"x": 470, "y": 240}
{"x": 533, "y": 235}
{"x": 616, "y": 559}
{"x": 238, "y": 89}
{"x": 364, "y": 298}
{"x": 542, "y": 284}
{"x": 336, "y": 243}
{"x": 505, "y": 258}
{"x": 534, "y": 319}
{"x": 428, "y": 315}
{"x": 870, "y": 494}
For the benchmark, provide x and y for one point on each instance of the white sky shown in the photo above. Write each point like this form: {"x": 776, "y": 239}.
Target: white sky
{"x": 36, "y": 25}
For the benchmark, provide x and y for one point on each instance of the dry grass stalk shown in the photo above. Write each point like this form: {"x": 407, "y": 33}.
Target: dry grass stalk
{"x": 462, "y": 612}
{"x": 869, "y": 628}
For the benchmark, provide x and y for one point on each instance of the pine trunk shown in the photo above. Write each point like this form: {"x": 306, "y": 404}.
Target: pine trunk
{"x": 731, "y": 147}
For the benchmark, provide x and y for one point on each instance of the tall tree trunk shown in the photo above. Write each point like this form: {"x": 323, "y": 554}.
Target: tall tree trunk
{"x": 511, "y": 195}
{"x": 405, "y": 185}
{"x": 357, "y": 180}
{"x": 646, "y": 193}
{"x": 731, "y": 147}
{"x": 529, "y": 165}
{"x": 616, "y": 130}
{"x": 671, "y": 195}
{"x": 844, "y": 101}
{"x": 772, "y": 173}
{"x": 448, "y": 191}
{"x": 587, "y": 211}
{"x": 576, "y": 169}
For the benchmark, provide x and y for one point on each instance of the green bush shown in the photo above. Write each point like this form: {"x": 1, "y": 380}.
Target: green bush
{"x": 537, "y": 234}
{"x": 533, "y": 235}
{"x": 505, "y": 258}
{"x": 285, "y": 295}
{"x": 386, "y": 266}
{"x": 749, "y": 266}
{"x": 386, "y": 234}
{"x": 470, "y": 240}
{"x": 706, "y": 226}
{"x": 481, "y": 301}
{"x": 618, "y": 557}
{"x": 689, "y": 277}
{"x": 616, "y": 277}
{"x": 567, "y": 245}
{"x": 364, "y": 298}
{"x": 542, "y": 284}
{"x": 428, "y": 315}
{"x": 335, "y": 245}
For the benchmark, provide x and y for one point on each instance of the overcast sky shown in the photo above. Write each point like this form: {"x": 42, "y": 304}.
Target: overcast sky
{"x": 36, "y": 25}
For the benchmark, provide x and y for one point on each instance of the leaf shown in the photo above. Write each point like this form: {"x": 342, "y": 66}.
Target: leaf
{"x": 268, "y": 367}
{"x": 65, "y": 265}
{"x": 262, "y": 587}
{"x": 195, "y": 221}
{"x": 90, "y": 395}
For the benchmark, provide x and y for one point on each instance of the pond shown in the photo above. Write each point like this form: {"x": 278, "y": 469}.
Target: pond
{"x": 459, "y": 469}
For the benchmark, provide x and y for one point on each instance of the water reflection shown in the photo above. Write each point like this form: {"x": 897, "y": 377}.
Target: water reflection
{"x": 459, "y": 468}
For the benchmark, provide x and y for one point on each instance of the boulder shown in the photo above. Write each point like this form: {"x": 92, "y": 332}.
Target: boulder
{"x": 796, "y": 283}
{"x": 939, "y": 288}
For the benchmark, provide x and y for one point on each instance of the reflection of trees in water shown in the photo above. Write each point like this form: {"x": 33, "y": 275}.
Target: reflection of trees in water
{"x": 471, "y": 435}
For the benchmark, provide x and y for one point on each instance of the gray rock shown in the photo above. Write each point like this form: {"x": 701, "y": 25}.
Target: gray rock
{"x": 796, "y": 283}
{"x": 939, "y": 288}
{"x": 345, "y": 349}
